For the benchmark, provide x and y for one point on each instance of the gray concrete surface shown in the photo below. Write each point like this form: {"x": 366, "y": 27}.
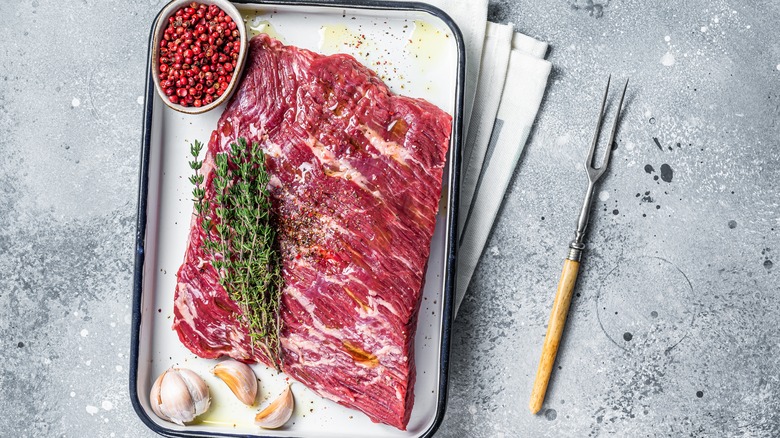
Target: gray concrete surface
{"x": 674, "y": 329}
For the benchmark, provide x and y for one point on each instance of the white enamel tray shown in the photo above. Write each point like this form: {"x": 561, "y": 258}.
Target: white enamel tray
{"x": 418, "y": 51}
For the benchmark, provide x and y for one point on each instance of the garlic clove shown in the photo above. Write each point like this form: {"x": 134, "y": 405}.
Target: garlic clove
{"x": 176, "y": 401}
{"x": 278, "y": 412}
{"x": 179, "y": 395}
{"x": 240, "y": 378}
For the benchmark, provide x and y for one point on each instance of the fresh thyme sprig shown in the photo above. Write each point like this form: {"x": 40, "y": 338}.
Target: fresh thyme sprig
{"x": 199, "y": 191}
{"x": 241, "y": 238}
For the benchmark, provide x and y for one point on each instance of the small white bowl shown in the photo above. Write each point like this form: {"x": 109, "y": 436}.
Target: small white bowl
{"x": 162, "y": 24}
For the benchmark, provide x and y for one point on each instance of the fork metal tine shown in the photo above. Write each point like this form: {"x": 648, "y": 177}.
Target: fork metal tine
{"x": 589, "y": 162}
{"x": 608, "y": 152}
{"x": 594, "y": 173}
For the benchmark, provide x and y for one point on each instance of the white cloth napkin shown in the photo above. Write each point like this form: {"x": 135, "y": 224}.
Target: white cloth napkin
{"x": 496, "y": 145}
{"x": 495, "y": 60}
{"x": 506, "y": 76}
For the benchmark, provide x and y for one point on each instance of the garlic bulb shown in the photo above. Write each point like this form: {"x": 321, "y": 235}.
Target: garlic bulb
{"x": 179, "y": 395}
{"x": 277, "y": 413}
{"x": 239, "y": 378}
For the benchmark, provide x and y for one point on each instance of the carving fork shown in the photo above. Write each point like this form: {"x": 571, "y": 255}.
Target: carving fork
{"x": 571, "y": 265}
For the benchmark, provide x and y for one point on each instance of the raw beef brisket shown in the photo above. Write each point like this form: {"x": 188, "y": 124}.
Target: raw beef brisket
{"x": 356, "y": 177}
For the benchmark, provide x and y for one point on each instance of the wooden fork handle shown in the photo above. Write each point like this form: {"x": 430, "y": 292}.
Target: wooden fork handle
{"x": 552, "y": 339}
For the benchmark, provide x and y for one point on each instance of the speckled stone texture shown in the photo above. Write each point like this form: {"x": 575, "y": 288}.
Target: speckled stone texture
{"x": 673, "y": 332}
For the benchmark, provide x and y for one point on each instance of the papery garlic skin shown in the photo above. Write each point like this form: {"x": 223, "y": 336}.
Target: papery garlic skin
{"x": 240, "y": 378}
{"x": 278, "y": 412}
{"x": 154, "y": 397}
{"x": 179, "y": 395}
{"x": 199, "y": 391}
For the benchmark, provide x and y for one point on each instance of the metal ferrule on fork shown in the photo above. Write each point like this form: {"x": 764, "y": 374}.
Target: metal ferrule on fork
{"x": 575, "y": 251}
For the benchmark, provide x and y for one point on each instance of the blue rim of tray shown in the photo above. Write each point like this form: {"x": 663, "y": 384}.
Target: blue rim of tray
{"x": 449, "y": 284}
